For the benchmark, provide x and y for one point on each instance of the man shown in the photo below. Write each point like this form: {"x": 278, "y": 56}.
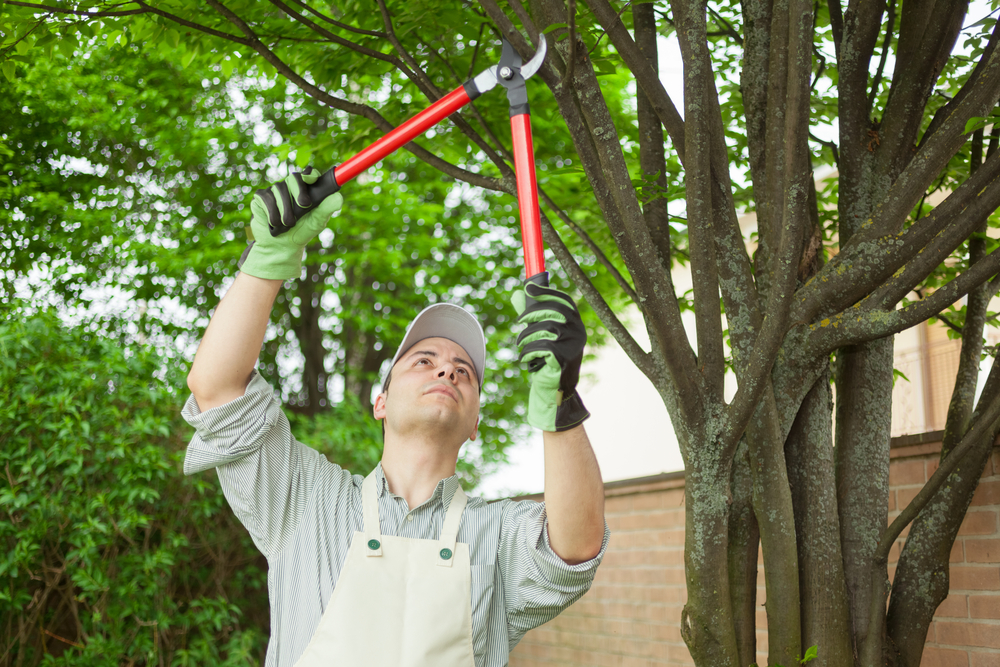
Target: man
{"x": 397, "y": 568}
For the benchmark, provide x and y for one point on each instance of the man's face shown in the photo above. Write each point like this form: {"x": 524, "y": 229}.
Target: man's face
{"x": 434, "y": 389}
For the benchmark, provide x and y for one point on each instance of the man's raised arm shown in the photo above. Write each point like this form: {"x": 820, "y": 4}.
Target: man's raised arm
{"x": 552, "y": 344}
{"x": 227, "y": 353}
{"x": 285, "y": 218}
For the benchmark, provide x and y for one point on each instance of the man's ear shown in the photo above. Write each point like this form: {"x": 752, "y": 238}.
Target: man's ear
{"x": 378, "y": 410}
{"x": 475, "y": 430}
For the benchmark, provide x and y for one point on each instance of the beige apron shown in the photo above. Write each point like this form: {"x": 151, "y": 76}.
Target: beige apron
{"x": 399, "y": 602}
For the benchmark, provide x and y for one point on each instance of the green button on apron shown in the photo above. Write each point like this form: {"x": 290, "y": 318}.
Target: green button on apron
{"x": 373, "y": 544}
{"x": 445, "y": 554}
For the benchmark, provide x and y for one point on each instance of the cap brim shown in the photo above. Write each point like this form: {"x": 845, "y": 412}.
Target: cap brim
{"x": 446, "y": 320}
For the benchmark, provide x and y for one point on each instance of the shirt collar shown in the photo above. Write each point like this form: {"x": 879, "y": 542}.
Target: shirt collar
{"x": 443, "y": 492}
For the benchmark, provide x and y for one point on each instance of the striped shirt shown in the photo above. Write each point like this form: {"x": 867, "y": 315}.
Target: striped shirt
{"x": 302, "y": 512}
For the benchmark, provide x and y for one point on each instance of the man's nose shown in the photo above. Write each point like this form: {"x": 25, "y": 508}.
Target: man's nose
{"x": 447, "y": 371}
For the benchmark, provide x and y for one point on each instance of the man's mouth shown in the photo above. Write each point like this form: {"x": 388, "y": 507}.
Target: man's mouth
{"x": 442, "y": 389}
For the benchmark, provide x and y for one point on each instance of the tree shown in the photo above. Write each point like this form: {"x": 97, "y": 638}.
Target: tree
{"x": 772, "y": 92}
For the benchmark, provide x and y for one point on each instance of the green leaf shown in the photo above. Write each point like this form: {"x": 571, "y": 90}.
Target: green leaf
{"x": 227, "y": 67}
{"x": 189, "y": 57}
{"x": 811, "y": 654}
{"x": 975, "y": 123}
{"x": 173, "y": 37}
{"x": 8, "y": 70}
{"x": 302, "y": 156}
{"x": 554, "y": 26}
{"x": 23, "y": 47}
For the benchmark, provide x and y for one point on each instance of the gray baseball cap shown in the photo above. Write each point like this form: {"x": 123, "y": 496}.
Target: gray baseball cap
{"x": 446, "y": 320}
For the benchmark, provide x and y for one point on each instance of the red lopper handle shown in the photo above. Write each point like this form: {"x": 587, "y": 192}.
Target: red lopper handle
{"x": 399, "y": 136}
{"x": 527, "y": 195}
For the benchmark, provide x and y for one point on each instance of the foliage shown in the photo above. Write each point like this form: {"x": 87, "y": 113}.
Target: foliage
{"x": 109, "y": 554}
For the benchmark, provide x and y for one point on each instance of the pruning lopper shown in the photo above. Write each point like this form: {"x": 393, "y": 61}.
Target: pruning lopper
{"x": 509, "y": 73}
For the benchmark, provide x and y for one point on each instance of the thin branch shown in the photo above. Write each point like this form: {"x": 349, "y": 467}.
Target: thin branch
{"x": 195, "y": 26}
{"x": 336, "y": 39}
{"x": 605, "y": 31}
{"x": 21, "y": 38}
{"x": 889, "y": 28}
{"x": 431, "y": 91}
{"x": 923, "y": 199}
{"x": 76, "y": 12}
{"x": 525, "y": 18}
{"x": 594, "y": 248}
{"x": 338, "y": 24}
{"x": 595, "y": 299}
{"x": 829, "y": 144}
{"x": 820, "y": 69}
{"x": 475, "y": 52}
{"x": 947, "y": 321}
{"x": 727, "y": 27}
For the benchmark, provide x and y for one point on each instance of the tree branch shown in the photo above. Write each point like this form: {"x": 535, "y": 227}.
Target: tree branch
{"x": 596, "y": 300}
{"x": 699, "y": 84}
{"x": 75, "y": 12}
{"x": 338, "y": 24}
{"x": 525, "y": 19}
{"x": 594, "y": 248}
{"x": 984, "y": 426}
{"x": 194, "y": 26}
{"x": 927, "y": 34}
{"x": 836, "y": 24}
{"x": 645, "y": 76}
{"x": 858, "y": 325}
{"x": 889, "y": 28}
{"x": 336, "y": 39}
{"x": 652, "y": 152}
{"x": 867, "y": 260}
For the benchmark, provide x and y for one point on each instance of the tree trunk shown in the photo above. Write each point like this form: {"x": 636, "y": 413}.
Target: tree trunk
{"x": 864, "y": 419}
{"x": 313, "y": 398}
{"x": 707, "y": 622}
{"x": 809, "y": 454}
{"x": 744, "y": 543}
{"x": 772, "y": 504}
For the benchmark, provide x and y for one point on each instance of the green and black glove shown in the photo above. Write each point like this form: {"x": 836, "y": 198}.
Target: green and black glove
{"x": 285, "y": 218}
{"x": 552, "y": 344}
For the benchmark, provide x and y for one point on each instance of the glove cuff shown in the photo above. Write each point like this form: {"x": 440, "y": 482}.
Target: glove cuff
{"x": 272, "y": 263}
{"x": 570, "y": 413}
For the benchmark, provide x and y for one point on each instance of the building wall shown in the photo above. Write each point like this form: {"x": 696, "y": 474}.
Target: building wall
{"x": 631, "y": 615}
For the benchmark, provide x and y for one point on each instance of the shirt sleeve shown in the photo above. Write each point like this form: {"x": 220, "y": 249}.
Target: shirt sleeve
{"x": 538, "y": 584}
{"x": 266, "y": 475}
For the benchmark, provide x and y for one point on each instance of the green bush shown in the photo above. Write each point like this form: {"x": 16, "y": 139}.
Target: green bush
{"x": 109, "y": 555}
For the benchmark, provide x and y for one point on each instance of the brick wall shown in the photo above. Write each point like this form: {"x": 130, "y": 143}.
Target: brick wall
{"x": 631, "y": 615}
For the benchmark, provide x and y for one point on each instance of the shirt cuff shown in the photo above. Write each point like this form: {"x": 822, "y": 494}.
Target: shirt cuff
{"x": 555, "y": 568}
{"x": 229, "y": 432}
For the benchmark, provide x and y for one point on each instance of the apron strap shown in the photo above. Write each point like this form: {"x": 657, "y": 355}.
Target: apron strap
{"x": 449, "y": 531}
{"x": 371, "y": 528}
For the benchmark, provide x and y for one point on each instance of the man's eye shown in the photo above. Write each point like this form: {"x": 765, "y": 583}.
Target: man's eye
{"x": 463, "y": 371}
{"x": 423, "y": 361}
